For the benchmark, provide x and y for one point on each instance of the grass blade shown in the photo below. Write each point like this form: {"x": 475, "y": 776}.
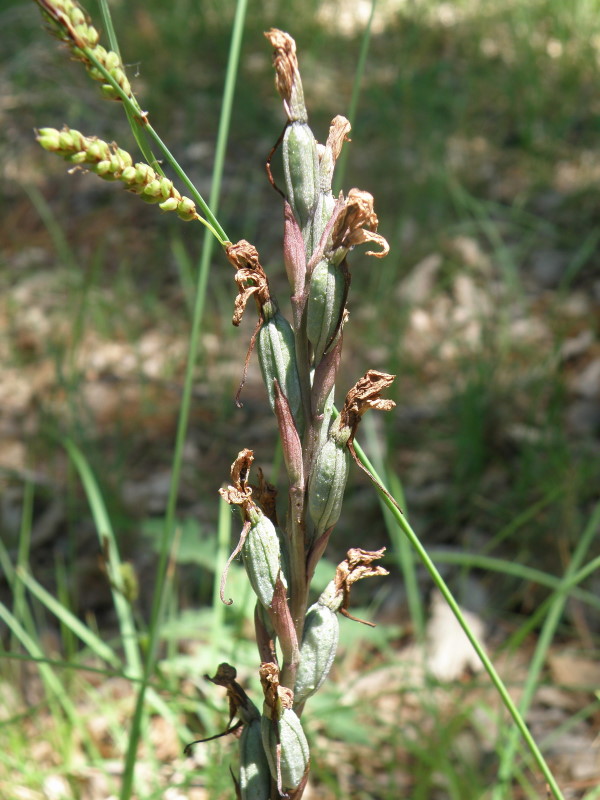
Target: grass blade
{"x": 88, "y": 637}
{"x": 543, "y": 644}
{"x": 109, "y": 546}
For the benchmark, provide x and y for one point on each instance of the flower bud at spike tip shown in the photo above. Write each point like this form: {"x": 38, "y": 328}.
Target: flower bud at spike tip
{"x": 301, "y": 168}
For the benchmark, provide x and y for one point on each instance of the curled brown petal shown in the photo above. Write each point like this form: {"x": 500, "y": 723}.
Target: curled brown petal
{"x": 365, "y": 394}
{"x": 250, "y": 277}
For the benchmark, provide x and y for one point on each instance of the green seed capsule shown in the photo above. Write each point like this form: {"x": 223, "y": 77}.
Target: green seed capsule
{"x": 317, "y": 652}
{"x": 261, "y": 553}
{"x": 322, "y": 214}
{"x": 328, "y": 478}
{"x": 277, "y": 357}
{"x": 294, "y": 752}
{"x": 326, "y": 296}
{"x": 301, "y": 167}
{"x": 255, "y": 776}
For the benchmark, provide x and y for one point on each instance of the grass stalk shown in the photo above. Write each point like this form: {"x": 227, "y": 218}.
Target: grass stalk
{"x": 19, "y": 601}
{"x": 109, "y": 546}
{"x": 359, "y": 73}
{"x": 497, "y": 681}
{"x": 131, "y": 106}
{"x": 55, "y": 690}
{"x": 137, "y": 130}
{"x": 184, "y": 412}
{"x": 402, "y": 550}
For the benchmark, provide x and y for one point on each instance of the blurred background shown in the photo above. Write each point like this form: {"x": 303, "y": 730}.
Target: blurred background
{"x": 477, "y": 130}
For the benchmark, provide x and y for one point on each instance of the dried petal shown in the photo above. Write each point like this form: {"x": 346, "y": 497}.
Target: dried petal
{"x": 250, "y": 277}
{"x": 338, "y": 134}
{"x": 365, "y": 394}
{"x": 240, "y": 493}
{"x": 356, "y": 225}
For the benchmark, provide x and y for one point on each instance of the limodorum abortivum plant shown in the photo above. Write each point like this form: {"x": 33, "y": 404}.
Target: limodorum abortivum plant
{"x": 284, "y": 530}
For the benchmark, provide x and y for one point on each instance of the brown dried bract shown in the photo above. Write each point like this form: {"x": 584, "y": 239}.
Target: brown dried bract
{"x": 357, "y": 565}
{"x": 250, "y": 277}
{"x": 338, "y": 134}
{"x": 357, "y": 224}
{"x": 240, "y": 493}
{"x": 365, "y": 394}
{"x": 277, "y": 697}
{"x": 284, "y": 61}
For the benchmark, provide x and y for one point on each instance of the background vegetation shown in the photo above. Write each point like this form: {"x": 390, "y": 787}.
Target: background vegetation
{"x": 477, "y": 130}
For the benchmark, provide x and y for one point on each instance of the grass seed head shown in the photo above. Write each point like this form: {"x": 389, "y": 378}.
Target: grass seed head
{"x": 112, "y": 163}
{"x": 68, "y": 22}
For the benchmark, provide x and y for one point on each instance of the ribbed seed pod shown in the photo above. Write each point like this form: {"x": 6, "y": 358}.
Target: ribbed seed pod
{"x": 321, "y": 216}
{"x": 261, "y": 553}
{"x": 327, "y": 288}
{"x": 294, "y": 752}
{"x": 255, "y": 775}
{"x": 277, "y": 357}
{"x": 317, "y": 652}
{"x": 301, "y": 168}
{"x": 328, "y": 478}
